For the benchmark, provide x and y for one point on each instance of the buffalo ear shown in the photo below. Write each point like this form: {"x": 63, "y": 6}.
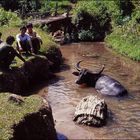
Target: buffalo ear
{"x": 76, "y": 73}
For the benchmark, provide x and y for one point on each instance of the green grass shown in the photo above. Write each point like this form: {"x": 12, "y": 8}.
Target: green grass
{"x": 11, "y": 113}
{"x": 125, "y": 45}
{"x": 47, "y": 40}
{"x": 52, "y": 6}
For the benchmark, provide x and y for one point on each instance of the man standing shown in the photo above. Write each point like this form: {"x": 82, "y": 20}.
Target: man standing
{"x": 8, "y": 53}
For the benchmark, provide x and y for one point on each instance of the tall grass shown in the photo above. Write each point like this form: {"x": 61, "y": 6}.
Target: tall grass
{"x": 126, "y": 38}
{"x": 125, "y": 46}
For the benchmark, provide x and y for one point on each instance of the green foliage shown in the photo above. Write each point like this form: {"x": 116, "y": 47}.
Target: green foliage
{"x": 46, "y": 38}
{"x": 97, "y": 18}
{"x": 86, "y": 35}
{"x": 26, "y": 5}
{"x": 51, "y": 5}
{"x": 9, "y": 18}
{"x": 102, "y": 15}
{"x": 93, "y": 16}
{"x": 45, "y": 28}
{"x": 126, "y": 38}
{"x": 11, "y": 113}
{"x": 125, "y": 46}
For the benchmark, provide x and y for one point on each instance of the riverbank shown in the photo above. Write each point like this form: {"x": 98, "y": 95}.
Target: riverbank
{"x": 32, "y": 118}
{"x": 125, "y": 45}
{"x": 115, "y": 22}
{"x": 25, "y": 118}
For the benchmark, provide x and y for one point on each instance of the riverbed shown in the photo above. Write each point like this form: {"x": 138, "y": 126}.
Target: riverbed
{"x": 63, "y": 94}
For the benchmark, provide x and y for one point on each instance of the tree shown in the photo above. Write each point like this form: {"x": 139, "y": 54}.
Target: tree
{"x": 9, "y": 4}
{"x": 24, "y": 5}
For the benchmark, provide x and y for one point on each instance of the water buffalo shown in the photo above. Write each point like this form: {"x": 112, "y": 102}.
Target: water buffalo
{"x": 102, "y": 83}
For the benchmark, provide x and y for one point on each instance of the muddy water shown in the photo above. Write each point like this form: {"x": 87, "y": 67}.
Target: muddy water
{"x": 64, "y": 94}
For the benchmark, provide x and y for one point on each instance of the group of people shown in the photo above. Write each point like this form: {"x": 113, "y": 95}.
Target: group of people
{"x": 27, "y": 41}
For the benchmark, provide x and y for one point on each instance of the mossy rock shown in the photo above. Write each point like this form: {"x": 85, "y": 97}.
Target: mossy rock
{"x": 36, "y": 68}
{"x": 55, "y": 56}
{"x": 17, "y": 80}
{"x": 13, "y": 81}
{"x": 30, "y": 120}
{"x": 91, "y": 111}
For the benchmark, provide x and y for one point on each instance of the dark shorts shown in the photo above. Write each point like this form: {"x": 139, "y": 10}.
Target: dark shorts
{"x": 36, "y": 44}
{"x": 25, "y": 46}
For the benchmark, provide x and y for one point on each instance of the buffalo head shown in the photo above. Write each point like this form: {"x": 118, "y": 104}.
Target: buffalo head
{"x": 86, "y": 76}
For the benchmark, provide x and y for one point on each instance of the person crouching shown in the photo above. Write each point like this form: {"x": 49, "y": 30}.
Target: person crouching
{"x": 8, "y": 53}
{"x": 35, "y": 38}
{"x": 24, "y": 43}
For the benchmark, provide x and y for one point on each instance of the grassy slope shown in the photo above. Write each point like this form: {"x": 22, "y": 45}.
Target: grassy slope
{"x": 47, "y": 39}
{"x": 126, "y": 45}
{"x": 12, "y": 113}
{"x": 125, "y": 38}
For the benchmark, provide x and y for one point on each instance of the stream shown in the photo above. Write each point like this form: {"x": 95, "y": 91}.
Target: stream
{"x": 63, "y": 94}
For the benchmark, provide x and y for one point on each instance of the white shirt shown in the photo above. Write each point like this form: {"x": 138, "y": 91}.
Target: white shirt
{"x": 23, "y": 38}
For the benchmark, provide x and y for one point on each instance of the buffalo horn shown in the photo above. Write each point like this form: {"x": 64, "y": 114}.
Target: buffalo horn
{"x": 101, "y": 69}
{"x": 78, "y": 65}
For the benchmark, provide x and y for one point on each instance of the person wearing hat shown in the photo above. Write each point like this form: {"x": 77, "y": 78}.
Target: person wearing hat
{"x": 8, "y": 53}
{"x": 24, "y": 41}
{"x": 35, "y": 38}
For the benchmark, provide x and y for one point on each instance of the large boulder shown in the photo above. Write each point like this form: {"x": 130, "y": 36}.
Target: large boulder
{"x": 16, "y": 99}
{"x": 24, "y": 118}
{"x": 36, "y": 68}
{"x": 37, "y": 125}
{"x": 17, "y": 80}
{"x": 13, "y": 81}
{"x": 91, "y": 111}
{"x": 55, "y": 56}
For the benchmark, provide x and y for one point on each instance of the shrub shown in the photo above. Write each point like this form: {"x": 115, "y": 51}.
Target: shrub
{"x": 91, "y": 35}
{"x": 125, "y": 38}
{"x": 51, "y": 5}
{"x": 92, "y": 16}
{"x": 9, "y": 18}
{"x": 86, "y": 35}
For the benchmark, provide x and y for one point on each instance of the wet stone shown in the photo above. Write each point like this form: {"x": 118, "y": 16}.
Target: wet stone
{"x": 17, "y": 79}
{"x": 91, "y": 111}
{"x": 55, "y": 56}
{"x": 16, "y": 99}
